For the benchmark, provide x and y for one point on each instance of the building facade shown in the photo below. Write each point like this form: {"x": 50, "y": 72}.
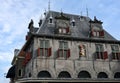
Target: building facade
{"x": 67, "y": 47}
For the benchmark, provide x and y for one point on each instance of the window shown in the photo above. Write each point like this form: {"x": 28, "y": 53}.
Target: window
{"x": 115, "y": 52}
{"x": 73, "y": 22}
{"x": 63, "y": 30}
{"x": 102, "y": 75}
{"x": 51, "y": 20}
{"x": 44, "y": 49}
{"x": 44, "y": 74}
{"x": 84, "y": 74}
{"x": 20, "y": 72}
{"x": 63, "y": 50}
{"x": 100, "y": 53}
{"x": 97, "y": 33}
{"x": 64, "y": 74}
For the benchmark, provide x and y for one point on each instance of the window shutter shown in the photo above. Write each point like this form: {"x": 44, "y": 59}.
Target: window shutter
{"x": 92, "y": 33}
{"x": 101, "y": 33}
{"x": 105, "y": 55}
{"x": 49, "y": 52}
{"x": 67, "y": 30}
{"x": 38, "y": 52}
{"x": 26, "y": 37}
{"x": 58, "y": 53}
{"x": 28, "y": 56}
{"x": 68, "y": 53}
{"x": 24, "y": 62}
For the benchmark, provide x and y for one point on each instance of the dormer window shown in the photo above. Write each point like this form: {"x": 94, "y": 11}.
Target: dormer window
{"x": 51, "y": 20}
{"x": 97, "y": 33}
{"x": 73, "y": 22}
{"x": 63, "y": 30}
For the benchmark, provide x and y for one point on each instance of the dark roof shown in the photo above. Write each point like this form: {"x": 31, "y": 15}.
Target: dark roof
{"x": 81, "y": 30}
{"x": 11, "y": 72}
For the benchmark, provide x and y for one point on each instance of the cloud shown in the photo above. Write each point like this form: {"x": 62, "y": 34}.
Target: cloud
{"x": 15, "y": 16}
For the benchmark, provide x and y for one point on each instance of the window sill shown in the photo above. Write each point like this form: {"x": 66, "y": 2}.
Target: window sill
{"x": 115, "y": 60}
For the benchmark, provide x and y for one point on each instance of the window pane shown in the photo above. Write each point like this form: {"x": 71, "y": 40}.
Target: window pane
{"x": 46, "y": 44}
{"x": 41, "y": 44}
{"x": 46, "y": 52}
{"x": 64, "y": 30}
{"x": 65, "y": 45}
{"x": 60, "y": 53}
{"x": 115, "y": 48}
{"x": 60, "y": 30}
{"x": 41, "y": 52}
{"x": 99, "y": 48}
{"x": 65, "y": 53}
{"x": 61, "y": 45}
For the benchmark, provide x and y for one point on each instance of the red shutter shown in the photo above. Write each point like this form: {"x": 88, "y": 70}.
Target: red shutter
{"x": 92, "y": 32}
{"x": 101, "y": 33}
{"x": 105, "y": 55}
{"x": 68, "y": 53}
{"x": 49, "y": 52}
{"x": 38, "y": 52}
{"x": 67, "y": 30}
{"x": 27, "y": 37}
{"x": 28, "y": 56}
{"x": 24, "y": 62}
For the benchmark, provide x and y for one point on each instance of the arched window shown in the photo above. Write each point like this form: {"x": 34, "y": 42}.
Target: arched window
{"x": 84, "y": 74}
{"x": 44, "y": 74}
{"x": 20, "y": 72}
{"x": 64, "y": 74}
{"x": 102, "y": 75}
{"x": 117, "y": 75}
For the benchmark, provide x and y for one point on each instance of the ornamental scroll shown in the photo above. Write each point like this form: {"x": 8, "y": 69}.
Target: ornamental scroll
{"x": 82, "y": 50}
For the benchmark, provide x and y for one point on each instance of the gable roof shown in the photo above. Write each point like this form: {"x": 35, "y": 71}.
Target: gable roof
{"x": 81, "y": 30}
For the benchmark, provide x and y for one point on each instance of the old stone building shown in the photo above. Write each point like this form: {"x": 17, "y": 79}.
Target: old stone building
{"x": 66, "y": 48}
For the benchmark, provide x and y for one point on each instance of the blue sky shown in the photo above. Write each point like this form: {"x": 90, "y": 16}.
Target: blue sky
{"x": 16, "y": 14}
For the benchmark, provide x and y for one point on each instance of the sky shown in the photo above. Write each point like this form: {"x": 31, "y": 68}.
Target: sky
{"x": 15, "y": 16}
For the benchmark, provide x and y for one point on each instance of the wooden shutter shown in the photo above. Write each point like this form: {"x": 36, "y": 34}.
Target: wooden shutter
{"x": 101, "y": 33}
{"x": 49, "y": 52}
{"x": 92, "y": 33}
{"x": 28, "y": 56}
{"x": 67, "y": 30}
{"x": 27, "y": 37}
{"x": 105, "y": 55}
{"x": 24, "y": 62}
{"x": 68, "y": 53}
{"x": 38, "y": 52}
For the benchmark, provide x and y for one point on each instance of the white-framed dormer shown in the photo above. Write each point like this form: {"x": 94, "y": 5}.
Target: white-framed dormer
{"x": 73, "y": 23}
{"x": 51, "y": 22}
